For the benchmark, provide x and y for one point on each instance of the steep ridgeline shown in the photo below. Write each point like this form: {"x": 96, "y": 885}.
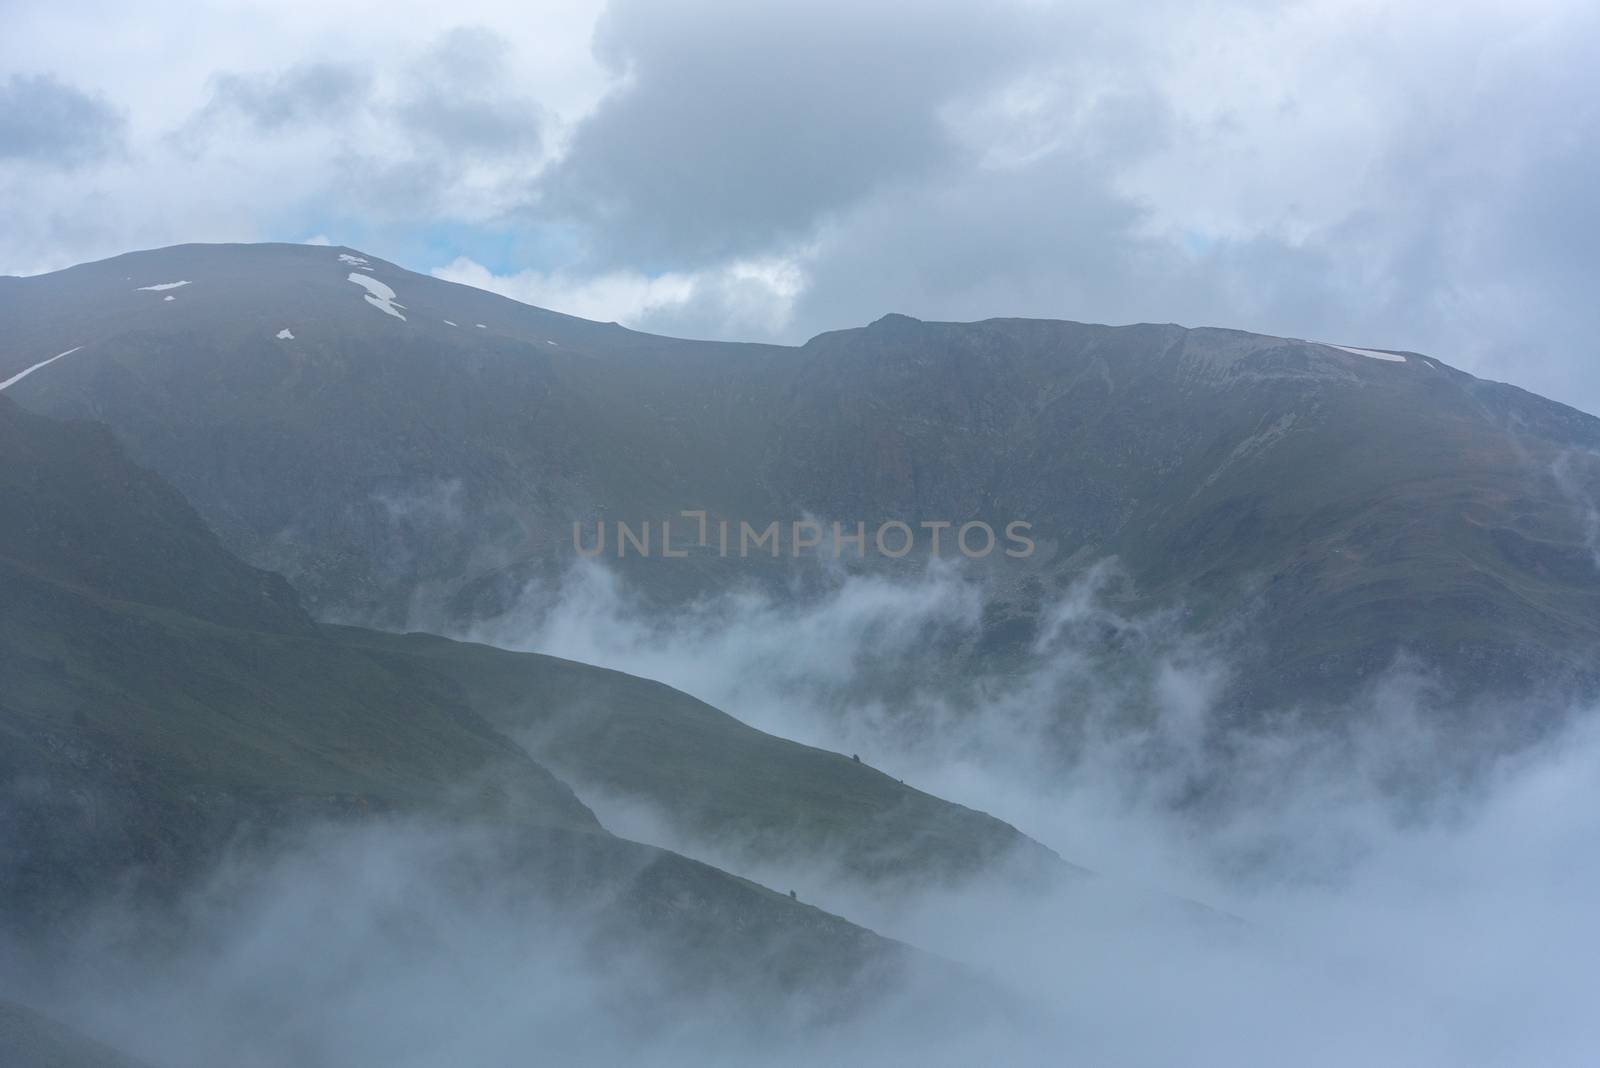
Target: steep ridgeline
{"x": 712, "y": 779}
{"x": 386, "y": 439}
{"x": 157, "y": 695}
{"x": 160, "y": 701}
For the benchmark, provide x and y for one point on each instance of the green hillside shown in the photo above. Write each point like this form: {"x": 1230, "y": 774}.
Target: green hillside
{"x": 712, "y": 777}
{"x": 139, "y": 742}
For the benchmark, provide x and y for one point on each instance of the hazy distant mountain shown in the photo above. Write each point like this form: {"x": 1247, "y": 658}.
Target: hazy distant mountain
{"x": 1335, "y": 505}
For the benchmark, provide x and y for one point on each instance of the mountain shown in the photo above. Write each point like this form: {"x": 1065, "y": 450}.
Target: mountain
{"x": 140, "y": 733}
{"x": 158, "y": 664}
{"x": 158, "y": 694}
{"x": 389, "y": 440}
{"x": 164, "y": 706}
{"x": 715, "y": 779}
{"x": 29, "y": 1040}
{"x": 84, "y": 516}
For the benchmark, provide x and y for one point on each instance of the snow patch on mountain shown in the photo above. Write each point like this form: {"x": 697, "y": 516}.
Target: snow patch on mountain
{"x": 447, "y": 322}
{"x": 284, "y": 335}
{"x": 378, "y": 295}
{"x": 165, "y": 285}
{"x": 354, "y": 261}
{"x": 1371, "y": 354}
{"x": 20, "y": 375}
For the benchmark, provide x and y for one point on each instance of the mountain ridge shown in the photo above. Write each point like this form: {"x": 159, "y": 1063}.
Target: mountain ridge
{"x": 891, "y": 317}
{"x": 1351, "y": 508}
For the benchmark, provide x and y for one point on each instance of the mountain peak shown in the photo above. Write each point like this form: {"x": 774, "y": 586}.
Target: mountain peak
{"x": 894, "y": 321}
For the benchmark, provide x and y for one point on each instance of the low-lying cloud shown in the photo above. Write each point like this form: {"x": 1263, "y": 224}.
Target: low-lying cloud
{"x": 1363, "y": 895}
{"x": 1400, "y": 901}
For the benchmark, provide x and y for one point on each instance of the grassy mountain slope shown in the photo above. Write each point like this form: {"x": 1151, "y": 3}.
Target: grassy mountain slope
{"x": 137, "y": 734}
{"x": 83, "y": 515}
{"x": 138, "y": 741}
{"x": 713, "y": 777}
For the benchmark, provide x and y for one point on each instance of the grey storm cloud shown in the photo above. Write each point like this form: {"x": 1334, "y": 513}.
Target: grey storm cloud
{"x": 737, "y": 126}
{"x": 311, "y": 92}
{"x": 453, "y": 97}
{"x": 457, "y": 98}
{"x": 398, "y": 139}
{"x": 45, "y": 120}
{"x": 1468, "y": 232}
{"x": 1393, "y": 176}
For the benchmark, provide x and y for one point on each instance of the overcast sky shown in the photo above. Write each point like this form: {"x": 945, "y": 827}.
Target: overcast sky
{"x": 1418, "y": 176}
